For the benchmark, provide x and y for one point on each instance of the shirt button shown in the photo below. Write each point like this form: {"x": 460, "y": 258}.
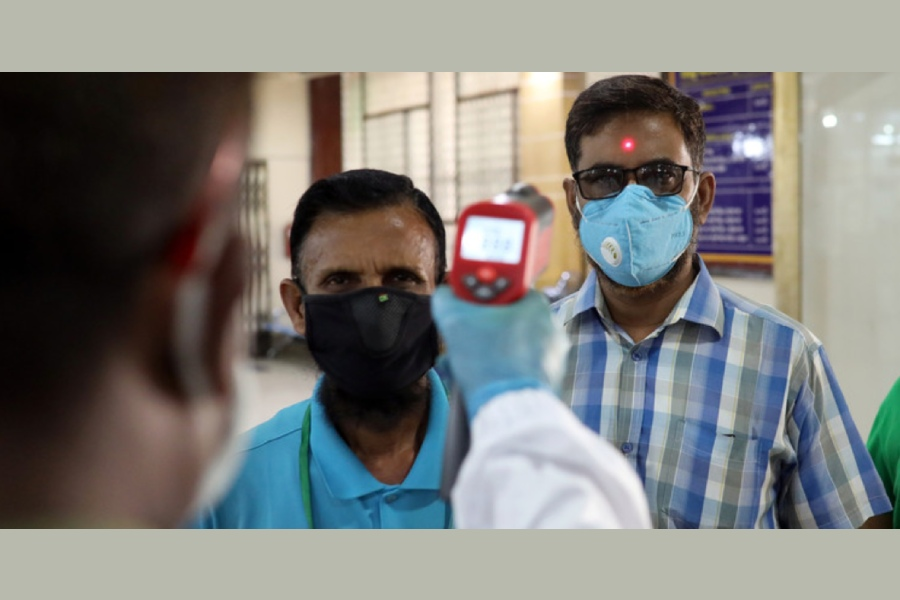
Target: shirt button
{"x": 627, "y": 447}
{"x": 636, "y": 356}
{"x": 390, "y": 498}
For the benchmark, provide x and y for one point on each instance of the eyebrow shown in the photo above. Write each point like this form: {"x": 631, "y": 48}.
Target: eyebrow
{"x": 652, "y": 161}
{"x": 391, "y": 269}
{"x": 336, "y": 271}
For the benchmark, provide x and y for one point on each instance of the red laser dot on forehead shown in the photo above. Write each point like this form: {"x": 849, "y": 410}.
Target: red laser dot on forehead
{"x": 627, "y": 144}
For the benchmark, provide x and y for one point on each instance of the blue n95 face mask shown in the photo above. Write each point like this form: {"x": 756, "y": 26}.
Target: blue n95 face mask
{"x": 636, "y": 237}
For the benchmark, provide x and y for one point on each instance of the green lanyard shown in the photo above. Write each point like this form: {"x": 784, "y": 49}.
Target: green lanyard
{"x": 304, "y": 467}
{"x": 305, "y": 488}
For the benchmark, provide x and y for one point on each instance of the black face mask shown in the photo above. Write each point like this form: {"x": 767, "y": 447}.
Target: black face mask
{"x": 373, "y": 341}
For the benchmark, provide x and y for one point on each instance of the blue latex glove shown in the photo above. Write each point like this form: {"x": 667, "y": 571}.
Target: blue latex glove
{"x": 493, "y": 349}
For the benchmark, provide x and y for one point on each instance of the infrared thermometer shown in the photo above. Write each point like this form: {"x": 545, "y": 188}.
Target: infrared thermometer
{"x": 502, "y": 245}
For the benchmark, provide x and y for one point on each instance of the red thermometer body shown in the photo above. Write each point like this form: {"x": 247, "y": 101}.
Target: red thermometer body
{"x": 502, "y": 246}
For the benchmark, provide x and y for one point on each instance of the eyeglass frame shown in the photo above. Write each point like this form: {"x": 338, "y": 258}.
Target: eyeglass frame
{"x": 625, "y": 172}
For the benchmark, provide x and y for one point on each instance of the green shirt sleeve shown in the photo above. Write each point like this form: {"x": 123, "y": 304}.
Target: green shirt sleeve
{"x": 884, "y": 446}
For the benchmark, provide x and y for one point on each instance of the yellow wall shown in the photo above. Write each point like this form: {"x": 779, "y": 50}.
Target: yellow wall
{"x": 786, "y": 194}
{"x": 544, "y": 103}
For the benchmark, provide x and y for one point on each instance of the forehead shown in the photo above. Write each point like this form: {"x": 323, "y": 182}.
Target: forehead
{"x": 632, "y": 139}
{"x": 388, "y": 236}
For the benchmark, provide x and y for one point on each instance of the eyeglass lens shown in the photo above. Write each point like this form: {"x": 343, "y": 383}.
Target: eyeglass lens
{"x": 663, "y": 179}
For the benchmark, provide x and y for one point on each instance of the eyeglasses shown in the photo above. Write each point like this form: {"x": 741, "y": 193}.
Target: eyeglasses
{"x": 663, "y": 179}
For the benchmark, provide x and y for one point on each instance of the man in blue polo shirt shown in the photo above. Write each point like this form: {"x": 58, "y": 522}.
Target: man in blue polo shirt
{"x": 367, "y": 251}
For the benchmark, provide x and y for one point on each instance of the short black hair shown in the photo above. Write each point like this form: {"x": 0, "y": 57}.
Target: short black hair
{"x": 361, "y": 190}
{"x": 615, "y": 96}
{"x": 98, "y": 171}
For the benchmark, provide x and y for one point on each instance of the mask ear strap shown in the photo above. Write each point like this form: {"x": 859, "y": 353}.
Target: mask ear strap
{"x": 192, "y": 255}
{"x": 688, "y": 203}
{"x": 577, "y": 205}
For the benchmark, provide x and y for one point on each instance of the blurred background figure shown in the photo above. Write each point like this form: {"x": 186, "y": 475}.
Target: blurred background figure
{"x": 122, "y": 269}
{"x": 884, "y": 446}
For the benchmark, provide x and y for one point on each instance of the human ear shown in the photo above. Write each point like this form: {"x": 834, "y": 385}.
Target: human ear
{"x": 706, "y": 195}
{"x": 205, "y": 263}
{"x": 292, "y": 299}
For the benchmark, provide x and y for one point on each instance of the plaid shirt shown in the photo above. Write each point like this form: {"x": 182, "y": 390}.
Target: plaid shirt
{"x": 729, "y": 412}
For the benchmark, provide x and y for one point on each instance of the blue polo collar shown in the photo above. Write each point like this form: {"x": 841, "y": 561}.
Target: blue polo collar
{"x": 344, "y": 474}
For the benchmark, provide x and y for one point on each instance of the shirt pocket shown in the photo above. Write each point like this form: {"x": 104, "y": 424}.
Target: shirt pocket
{"x": 717, "y": 479}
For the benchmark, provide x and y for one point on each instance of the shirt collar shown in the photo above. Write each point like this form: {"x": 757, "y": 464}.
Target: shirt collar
{"x": 588, "y": 297}
{"x": 344, "y": 474}
{"x": 701, "y": 303}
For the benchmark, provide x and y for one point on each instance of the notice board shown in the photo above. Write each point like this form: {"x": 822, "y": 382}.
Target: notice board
{"x": 737, "y": 110}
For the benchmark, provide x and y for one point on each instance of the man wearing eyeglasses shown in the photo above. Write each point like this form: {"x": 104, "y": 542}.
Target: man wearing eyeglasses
{"x": 728, "y": 410}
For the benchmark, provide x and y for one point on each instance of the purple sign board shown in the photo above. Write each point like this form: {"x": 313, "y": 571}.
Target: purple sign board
{"x": 737, "y": 110}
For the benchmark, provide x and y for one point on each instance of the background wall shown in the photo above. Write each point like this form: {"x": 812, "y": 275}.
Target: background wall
{"x": 850, "y": 229}
{"x": 849, "y": 143}
{"x": 281, "y": 137}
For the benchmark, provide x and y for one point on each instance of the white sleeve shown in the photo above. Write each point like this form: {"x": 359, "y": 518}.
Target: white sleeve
{"x": 533, "y": 465}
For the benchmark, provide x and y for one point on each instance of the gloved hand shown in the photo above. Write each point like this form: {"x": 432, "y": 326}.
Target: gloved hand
{"x": 493, "y": 349}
